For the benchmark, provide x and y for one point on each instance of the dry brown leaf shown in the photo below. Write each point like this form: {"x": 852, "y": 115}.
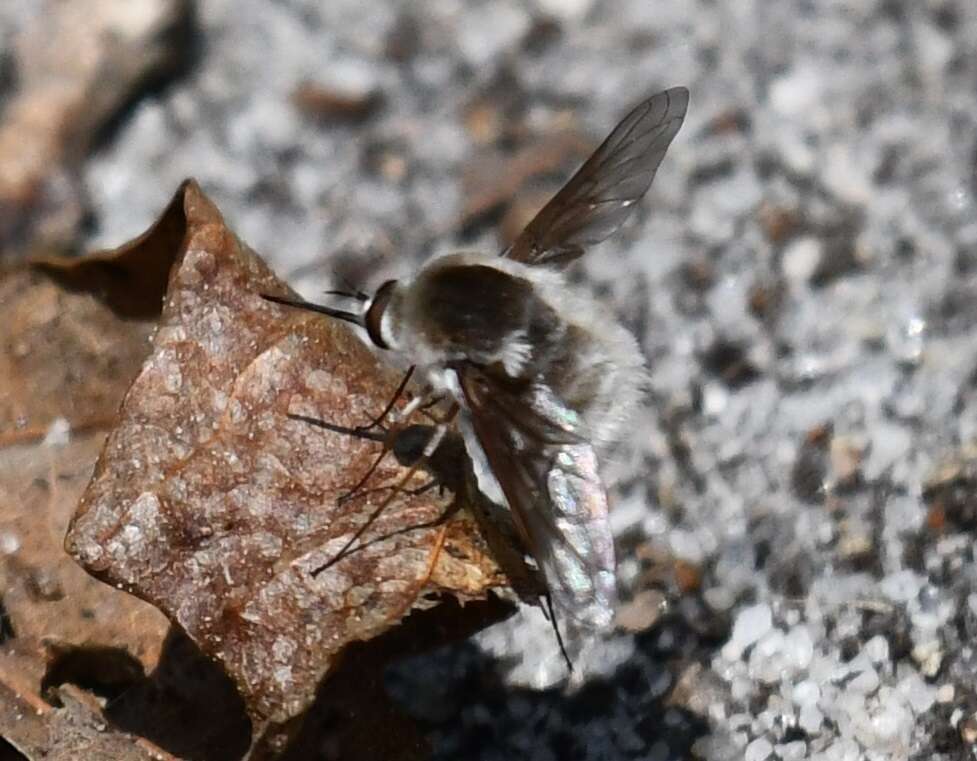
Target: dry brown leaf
{"x": 65, "y": 362}
{"x": 328, "y": 105}
{"x": 75, "y": 68}
{"x": 70, "y": 350}
{"x": 62, "y": 355}
{"x": 49, "y": 601}
{"x": 75, "y": 730}
{"x": 210, "y": 503}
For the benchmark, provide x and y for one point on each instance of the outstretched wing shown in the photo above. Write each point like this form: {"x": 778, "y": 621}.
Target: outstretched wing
{"x": 600, "y": 196}
{"x": 538, "y": 452}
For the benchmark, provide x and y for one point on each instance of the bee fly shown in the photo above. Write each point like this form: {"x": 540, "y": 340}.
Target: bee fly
{"x": 543, "y": 377}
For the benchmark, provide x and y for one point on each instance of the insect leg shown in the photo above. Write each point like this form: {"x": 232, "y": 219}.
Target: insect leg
{"x": 551, "y": 617}
{"x": 437, "y": 420}
{"x": 448, "y": 513}
{"x": 422, "y": 489}
{"x": 375, "y": 423}
{"x": 358, "y": 433}
{"x": 362, "y": 431}
{"x": 369, "y": 522}
{"x": 356, "y": 490}
{"x": 396, "y": 418}
{"x": 429, "y": 404}
{"x": 439, "y": 432}
{"x": 410, "y": 408}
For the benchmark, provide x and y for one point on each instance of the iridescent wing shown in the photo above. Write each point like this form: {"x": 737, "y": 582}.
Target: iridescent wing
{"x": 538, "y": 451}
{"x": 603, "y": 192}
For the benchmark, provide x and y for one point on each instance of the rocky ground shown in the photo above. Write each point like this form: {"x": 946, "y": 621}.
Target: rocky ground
{"x": 795, "y": 507}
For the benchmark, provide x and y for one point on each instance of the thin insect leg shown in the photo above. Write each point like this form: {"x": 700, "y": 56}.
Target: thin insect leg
{"x": 423, "y": 488}
{"x": 361, "y": 433}
{"x": 364, "y": 433}
{"x": 369, "y": 522}
{"x": 432, "y": 444}
{"x": 358, "y": 433}
{"x": 344, "y": 498}
{"x": 453, "y": 508}
{"x": 556, "y": 630}
{"x": 425, "y": 409}
{"x": 429, "y": 448}
{"x": 355, "y": 432}
{"x": 390, "y": 405}
{"x": 448, "y": 416}
{"x": 409, "y": 409}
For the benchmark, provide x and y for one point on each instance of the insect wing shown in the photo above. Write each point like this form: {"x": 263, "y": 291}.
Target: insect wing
{"x": 548, "y": 472}
{"x": 603, "y": 192}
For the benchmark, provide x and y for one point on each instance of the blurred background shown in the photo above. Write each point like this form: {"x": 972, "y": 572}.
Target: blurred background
{"x": 795, "y": 507}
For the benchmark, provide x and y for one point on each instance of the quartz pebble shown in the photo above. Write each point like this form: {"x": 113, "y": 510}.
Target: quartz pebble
{"x": 758, "y": 750}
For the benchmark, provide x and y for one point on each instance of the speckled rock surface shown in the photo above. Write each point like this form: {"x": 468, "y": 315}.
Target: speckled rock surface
{"x": 802, "y": 281}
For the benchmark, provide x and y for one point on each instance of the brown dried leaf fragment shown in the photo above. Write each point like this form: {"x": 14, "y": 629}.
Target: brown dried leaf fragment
{"x": 209, "y": 502}
{"x": 75, "y": 730}
{"x": 50, "y": 602}
{"x": 62, "y": 354}
{"x": 66, "y": 360}
{"x": 327, "y": 105}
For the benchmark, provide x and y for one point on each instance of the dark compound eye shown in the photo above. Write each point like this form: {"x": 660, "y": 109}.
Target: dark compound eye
{"x": 374, "y": 315}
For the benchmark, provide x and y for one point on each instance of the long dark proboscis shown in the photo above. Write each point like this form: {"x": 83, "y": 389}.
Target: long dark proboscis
{"x": 339, "y": 314}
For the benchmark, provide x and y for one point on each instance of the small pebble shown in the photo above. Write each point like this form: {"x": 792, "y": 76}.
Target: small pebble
{"x": 758, "y": 750}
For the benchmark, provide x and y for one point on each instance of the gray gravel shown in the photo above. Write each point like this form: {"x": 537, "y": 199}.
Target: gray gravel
{"x": 803, "y": 283}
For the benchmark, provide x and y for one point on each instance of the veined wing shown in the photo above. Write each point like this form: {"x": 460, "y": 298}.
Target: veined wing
{"x": 603, "y": 192}
{"x": 538, "y": 452}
